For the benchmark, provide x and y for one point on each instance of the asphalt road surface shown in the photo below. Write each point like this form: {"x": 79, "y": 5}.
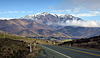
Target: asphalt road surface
{"x": 67, "y": 52}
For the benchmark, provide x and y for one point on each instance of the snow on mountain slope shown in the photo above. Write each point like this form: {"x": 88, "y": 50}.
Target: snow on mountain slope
{"x": 61, "y": 19}
{"x": 49, "y": 16}
{"x": 53, "y": 20}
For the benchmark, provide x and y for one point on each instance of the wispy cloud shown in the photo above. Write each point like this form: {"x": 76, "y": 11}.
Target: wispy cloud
{"x": 61, "y": 11}
{"x": 75, "y": 10}
{"x": 5, "y": 12}
{"x": 9, "y": 12}
{"x": 6, "y": 18}
{"x": 87, "y": 4}
{"x": 79, "y": 8}
{"x": 78, "y": 23}
{"x": 82, "y": 23}
{"x": 78, "y": 13}
{"x": 27, "y": 12}
{"x": 91, "y": 13}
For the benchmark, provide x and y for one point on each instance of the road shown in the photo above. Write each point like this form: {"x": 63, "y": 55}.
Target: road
{"x": 67, "y": 52}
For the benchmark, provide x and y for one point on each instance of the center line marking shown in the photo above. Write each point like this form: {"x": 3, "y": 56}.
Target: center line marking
{"x": 79, "y": 51}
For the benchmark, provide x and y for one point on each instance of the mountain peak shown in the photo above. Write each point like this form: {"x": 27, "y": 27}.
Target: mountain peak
{"x": 45, "y": 16}
{"x": 43, "y": 13}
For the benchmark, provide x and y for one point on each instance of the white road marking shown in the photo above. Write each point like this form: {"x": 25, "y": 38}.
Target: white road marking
{"x": 56, "y": 52}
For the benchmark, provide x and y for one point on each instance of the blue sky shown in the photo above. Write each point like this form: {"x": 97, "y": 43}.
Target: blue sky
{"x": 80, "y": 8}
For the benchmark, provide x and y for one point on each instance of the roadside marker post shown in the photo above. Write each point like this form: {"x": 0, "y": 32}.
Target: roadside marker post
{"x": 30, "y": 47}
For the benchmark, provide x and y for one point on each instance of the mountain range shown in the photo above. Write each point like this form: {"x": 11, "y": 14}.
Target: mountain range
{"x": 46, "y": 18}
{"x": 27, "y": 28}
{"x": 47, "y": 25}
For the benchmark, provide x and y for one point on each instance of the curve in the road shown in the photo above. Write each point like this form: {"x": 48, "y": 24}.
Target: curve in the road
{"x": 57, "y": 52}
{"x": 78, "y": 51}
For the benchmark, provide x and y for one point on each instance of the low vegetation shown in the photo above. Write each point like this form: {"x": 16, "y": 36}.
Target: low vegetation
{"x": 66, "y": 40}
{"x": 14, "y": 46}
{"x": 89, "y": 43}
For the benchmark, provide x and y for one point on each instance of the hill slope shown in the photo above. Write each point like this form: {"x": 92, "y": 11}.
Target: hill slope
{"x": 13, "y": 48}
{"x": 90, "y": 43}
{"x": 28, "y": 28}
{"x": 80, "y": 32}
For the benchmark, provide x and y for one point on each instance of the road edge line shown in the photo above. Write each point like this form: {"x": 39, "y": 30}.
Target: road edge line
{"x": 80, "y": 51}
{"x": 56, "y": 51}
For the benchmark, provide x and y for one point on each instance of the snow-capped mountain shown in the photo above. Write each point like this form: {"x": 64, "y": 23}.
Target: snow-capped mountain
{"x": 46, "y": 17}
{"x": 51, "y": 25}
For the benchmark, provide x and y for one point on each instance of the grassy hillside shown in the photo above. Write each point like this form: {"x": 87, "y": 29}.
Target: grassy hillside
{"x": 89, "y": 43}
{"x": 13, "y": 48}
{"x": 28, "y": 40}
{"x": 9, "y": 35}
